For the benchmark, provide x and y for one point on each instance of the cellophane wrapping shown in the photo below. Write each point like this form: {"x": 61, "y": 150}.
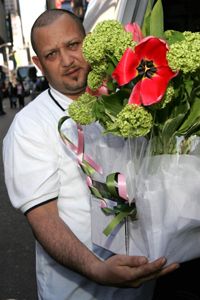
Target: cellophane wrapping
{"x": 166, "y": 191}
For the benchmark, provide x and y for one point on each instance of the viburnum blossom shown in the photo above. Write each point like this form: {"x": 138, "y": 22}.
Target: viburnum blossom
{"x": 81, "y": 110}
{"x": 104, "y": 45}
{"x": 148, "y": 66}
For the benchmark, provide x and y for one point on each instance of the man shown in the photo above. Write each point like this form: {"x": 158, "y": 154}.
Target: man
{"x": 46, "y": 184}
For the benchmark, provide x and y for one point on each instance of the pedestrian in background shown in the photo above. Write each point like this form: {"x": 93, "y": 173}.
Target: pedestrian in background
{"x": 12, "y": 94}
{"x": 2, "y": 90}
{"x": 20, "y": 93}
{"x": 2, "y": 112}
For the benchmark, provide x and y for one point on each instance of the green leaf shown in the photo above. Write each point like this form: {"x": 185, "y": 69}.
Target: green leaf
{"x": 178, "y": 115}
{"x": 181, "y": 108}
{"x": 146, "y": 21}
{"x": 167, "y": 124}
{"x": 173, "y": 36}
{"x": 193, "y": 120}
{"x": 114, "y": 102}
{"x": 194, "y": 128}
{"x": 110, "y": 68}
{"x": 195, "y": 92}
{"x": 157, "y": 20}
{"x": 107, "y": 107}
{"x": 99, "y": 111}
{"x": 189, "y": 86}
{"x": 113, "y": 60}
{"x": 115, "y": 130}
{"x": 153, "y": 23}
{"x": 171, "y": 125}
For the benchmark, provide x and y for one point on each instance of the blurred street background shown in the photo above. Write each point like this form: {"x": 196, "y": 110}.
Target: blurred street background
{"x": 17, "y": 260}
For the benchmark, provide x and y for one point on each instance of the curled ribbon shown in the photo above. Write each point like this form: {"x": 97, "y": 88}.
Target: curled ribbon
{"x": 114, "y": 188}
{"x": 85, "y": 161}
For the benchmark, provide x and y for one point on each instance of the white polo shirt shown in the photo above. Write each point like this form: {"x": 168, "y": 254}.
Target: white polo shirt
{"x": 39, "y": 167}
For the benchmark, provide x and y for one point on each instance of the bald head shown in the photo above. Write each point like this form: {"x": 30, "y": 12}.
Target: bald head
{"x": 48, "y": 17}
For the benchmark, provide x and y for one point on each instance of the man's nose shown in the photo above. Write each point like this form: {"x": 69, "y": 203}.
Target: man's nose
{"x": 66, "y": 58}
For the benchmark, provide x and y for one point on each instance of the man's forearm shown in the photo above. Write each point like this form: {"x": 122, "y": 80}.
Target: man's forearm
{"x": 59, "y": 241}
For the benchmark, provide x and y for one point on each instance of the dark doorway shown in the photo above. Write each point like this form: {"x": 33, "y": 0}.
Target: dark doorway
{"x": 181, "y": 15}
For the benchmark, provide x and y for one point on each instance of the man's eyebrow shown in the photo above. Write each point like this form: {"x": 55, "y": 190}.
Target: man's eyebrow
{"x": 50, "y": 50}
{"x": 74, "y": 40}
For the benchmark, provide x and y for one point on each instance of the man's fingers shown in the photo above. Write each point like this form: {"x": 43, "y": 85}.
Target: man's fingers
{"x": 155, "y": 275}
{"x": 170, "y": 268}
{"x": 129, "y": 261}
{"x": 148, "y": 269}
{"x": 135, "y": 270}
{"x": 137, "y": 261}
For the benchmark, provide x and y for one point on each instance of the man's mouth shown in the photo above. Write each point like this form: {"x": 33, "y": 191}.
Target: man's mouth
{"x": 71, "y": 72}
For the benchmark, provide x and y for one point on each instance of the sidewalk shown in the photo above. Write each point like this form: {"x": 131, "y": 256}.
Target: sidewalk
{"x": 17, "y": 261}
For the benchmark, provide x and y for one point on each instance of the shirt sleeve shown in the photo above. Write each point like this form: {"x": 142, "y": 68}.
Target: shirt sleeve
{"x": 30, "y": 164}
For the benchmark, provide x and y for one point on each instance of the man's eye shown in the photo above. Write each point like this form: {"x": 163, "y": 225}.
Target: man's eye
{"x": 51, "y": 55}
{"x": 74, "y": 45}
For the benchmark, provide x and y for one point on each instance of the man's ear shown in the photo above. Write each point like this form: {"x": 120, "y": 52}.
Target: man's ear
{"x": 36, "y": 61}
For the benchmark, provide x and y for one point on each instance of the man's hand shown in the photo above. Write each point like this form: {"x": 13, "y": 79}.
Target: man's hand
{"x": 132, "y": 271}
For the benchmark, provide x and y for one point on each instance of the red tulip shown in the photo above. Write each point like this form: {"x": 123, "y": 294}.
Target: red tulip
{"x": 148, "y": 65}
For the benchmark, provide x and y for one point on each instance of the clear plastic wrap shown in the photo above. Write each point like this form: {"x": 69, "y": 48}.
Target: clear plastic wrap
{"x": 166, "y": 192}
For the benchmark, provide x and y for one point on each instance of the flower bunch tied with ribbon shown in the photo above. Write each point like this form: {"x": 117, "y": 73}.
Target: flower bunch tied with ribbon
{"x": 144, "y": 88}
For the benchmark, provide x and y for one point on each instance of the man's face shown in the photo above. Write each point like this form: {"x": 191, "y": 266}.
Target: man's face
{"x": 60, "y": 56}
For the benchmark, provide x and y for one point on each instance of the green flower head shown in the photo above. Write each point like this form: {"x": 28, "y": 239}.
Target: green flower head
{"x": 132, "y": 121}
{"x": 94, "y": 80}
{"x": 108, "y": 39}
{"x": 184, "y": 55}
{"x": 81, "y": 110}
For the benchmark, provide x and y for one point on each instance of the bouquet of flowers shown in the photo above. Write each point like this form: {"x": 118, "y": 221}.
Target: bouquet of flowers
{"x": 144, "y": 89}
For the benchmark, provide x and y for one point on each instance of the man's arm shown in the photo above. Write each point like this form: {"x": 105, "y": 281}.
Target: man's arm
{"x": 60, "y": 242}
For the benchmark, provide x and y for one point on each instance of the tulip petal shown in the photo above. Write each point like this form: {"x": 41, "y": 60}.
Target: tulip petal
{"x": 126, "y": 70}
{"x": 135, "y": 97}
{"x": 147, "y": 92}
{"x": 166, "y": 72}
{"x": 152, "y": 48}
{"x": 151, "y": 90}
{"x": 135, "y": 30}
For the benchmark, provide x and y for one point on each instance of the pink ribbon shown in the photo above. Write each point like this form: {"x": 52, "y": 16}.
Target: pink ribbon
{"x": 79, "y": 151}
{"x": 122, "y": 187}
